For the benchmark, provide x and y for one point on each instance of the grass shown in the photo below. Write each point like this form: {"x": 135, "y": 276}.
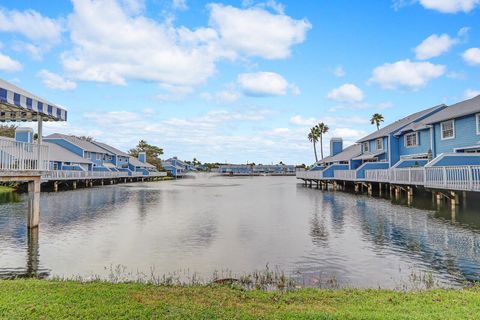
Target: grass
{"x": 6, "y": 189}
{"x": 39, "y": 299}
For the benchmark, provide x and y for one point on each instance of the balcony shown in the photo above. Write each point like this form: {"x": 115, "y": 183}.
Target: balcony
{"x": 21, "y": 158}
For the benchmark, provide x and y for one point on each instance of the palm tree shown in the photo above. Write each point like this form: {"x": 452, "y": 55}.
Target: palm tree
{"x": 376, "y": 119}
{"x": 313, "y": 137}
{"x": 322, "y": 129}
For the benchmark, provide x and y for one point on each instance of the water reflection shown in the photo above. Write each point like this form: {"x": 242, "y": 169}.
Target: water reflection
{"x": 220, "y": 223}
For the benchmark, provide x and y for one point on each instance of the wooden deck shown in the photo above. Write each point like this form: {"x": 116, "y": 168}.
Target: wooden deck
{"x": 455, "y": 178}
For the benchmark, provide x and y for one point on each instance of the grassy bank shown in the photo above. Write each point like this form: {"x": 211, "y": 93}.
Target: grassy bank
{"x": 36, "y": 299}
{"x": 6, "y": 189}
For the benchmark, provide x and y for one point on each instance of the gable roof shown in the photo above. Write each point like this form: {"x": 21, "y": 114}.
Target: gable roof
{"x": 347, "y": 154}
{"x": 111, "y": 149}
{"x": 457, "y": 110}
{"x": 137, "y": 163}
{"x": 58, "y": 153}
{"x": 83, "y": 144}
{"x": 399, "y": 124}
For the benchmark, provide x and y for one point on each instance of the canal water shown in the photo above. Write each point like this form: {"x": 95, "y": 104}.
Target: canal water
{"x": 239, "y": 225}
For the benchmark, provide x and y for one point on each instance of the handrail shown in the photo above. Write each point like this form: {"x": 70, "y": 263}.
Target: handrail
{"x": 23, "y": 156}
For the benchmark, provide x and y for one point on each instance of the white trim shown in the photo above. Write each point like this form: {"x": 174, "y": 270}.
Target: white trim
{"x": 453, "y": 129}
{"x": 366, "y": 143}
{"x": 477, "y": 120}
{"x": 405, "y": 140}
{"x": 376, "y": 143}
{"x": 451, "y": 154}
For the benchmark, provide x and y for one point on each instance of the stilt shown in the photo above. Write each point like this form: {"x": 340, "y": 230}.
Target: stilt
{"x": 55, "y": 186}
{"x": 454, "y": 199}
{"x": 102, "y": 182}
{"x": 111, "y": 181}
{"x": 32, "y": 252}
{"x": 370, "y": 189}
{"x": 357, "y": 187}
{"x": 439, "y": 199}
{"x": 334, "y": 185}
{"x": 34, "y": 203}
{"x": 74, "y": 185}
{"x": 397, "y": 192}
{"x": 380, "y": 189}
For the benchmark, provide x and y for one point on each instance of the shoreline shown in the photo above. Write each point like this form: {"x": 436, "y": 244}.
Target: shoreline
{"x": 51, "y": 299}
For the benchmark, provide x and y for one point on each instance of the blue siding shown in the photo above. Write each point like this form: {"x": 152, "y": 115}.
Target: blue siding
{"x": 67, "y": 145}
{"x": 465, "y": 135}
{"x": 329, "y": 172}
{"x": 370, "y": 166}
{"x": 423, "y": 143}
{"x": 458, "y": 161}
{"x": 412, "y": 163}
{"x": 336, "y": 147}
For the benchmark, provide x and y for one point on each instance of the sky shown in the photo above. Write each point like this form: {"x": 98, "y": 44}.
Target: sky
{"x": 238, "y": 81}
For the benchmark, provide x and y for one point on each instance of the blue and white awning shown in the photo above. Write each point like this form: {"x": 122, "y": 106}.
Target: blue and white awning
{"x": 17, "y": 104}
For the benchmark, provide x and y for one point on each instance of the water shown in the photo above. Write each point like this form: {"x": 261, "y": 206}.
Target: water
{"x": 239, "y": 224}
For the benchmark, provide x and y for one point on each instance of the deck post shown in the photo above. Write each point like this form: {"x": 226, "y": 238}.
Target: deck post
{"x": 454, "y": 199}
{"x": 334, "y": 185}
{"x": 74, "y": 185}
{"x": 439, "y": 198}
{"x": 91, "y": 183}
{"x": 101, "y": 182}
{"x": 380, "y": 189}
{"x": 370, "y": 189}
{"x": 34, "y": 203}
{"x": 397, "y": 192}
{"x": 55, "y": 186}
{"x": 357, "y": 188}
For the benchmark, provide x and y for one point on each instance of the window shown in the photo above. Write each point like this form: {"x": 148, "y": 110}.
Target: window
{"x": 87, "y": 155}
{"x": 365, "y": 147}
{"x": 411, "y": 140}
{"x": 379, "y": 144}
{"x": 99, "y": 156}
{"x": 448, "y": 129}
{"x": 478, "y": 123}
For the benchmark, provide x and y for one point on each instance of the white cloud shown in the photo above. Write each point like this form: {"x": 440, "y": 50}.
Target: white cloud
{"x": 434, "y": 46}
{"x": 450, "y": 6}
{"x": 298, "y": 120}
{"x": 469, "y": 93}
{"x": 257, "y": 32}
{"x": 262, "y": 84}
{"x": 339, "y": 72}
{"x": 30, "y": 24}
{"x": 113, "y": 45}
{"x": 346, "y": 93}
{"x": 227, "y": 96}
{"x": 133, "y": 6}
{"x": 8, "y": 64}
{"x": 406, "y": 74}
{"x": 179, "y": 4}
{"x": 472, "y": 56}
{"x": 55, "y": 81}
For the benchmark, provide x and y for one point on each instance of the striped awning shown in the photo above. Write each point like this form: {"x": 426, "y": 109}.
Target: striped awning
{"x": 17, "y": 104}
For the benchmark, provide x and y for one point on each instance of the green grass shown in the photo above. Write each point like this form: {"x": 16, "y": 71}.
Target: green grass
{"x": 37, "y": 299}
{"x": 6, "y": 189}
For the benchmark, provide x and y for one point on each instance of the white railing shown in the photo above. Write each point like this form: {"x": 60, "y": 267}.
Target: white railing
{"x": 378, "y": 175}
{"x": 71, "y": 174}
{"x": 22, "y": 156}
{"x": 408, "y": 176}
{"x": 454, "y": 178}
{"x": 310, "y": 175}
{"x": 137, "y": 174}
{"x": 157, "y": 174}
{"x": 350, "y": 175}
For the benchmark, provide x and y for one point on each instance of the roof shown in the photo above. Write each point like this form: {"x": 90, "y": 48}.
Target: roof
{"x": 111, "y": 149}
{"x": 137, "y": 163}
{"x": 368, "y": 156}
{"x": 17, "y": 104}
{"x": 399, "y": 124}
{"x": 456, "y": 110}
{"x": 347, "y": 154}
{"x": 83, "y": 144}
{"x": 58, "y": 153}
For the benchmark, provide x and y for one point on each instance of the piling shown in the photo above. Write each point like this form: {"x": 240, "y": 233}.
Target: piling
{"x": 55, "y": 186}
{"x": 34, "y": 203}
{"x": 74, "y": 185}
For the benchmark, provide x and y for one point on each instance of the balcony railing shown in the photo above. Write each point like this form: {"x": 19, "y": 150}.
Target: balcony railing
{"x": 310, "y": 175}
{"x": 349, "y": 175}
{"x": 71, "y": 174}
{"x": 21, "y": 156}
{"x": 465, "y": 178}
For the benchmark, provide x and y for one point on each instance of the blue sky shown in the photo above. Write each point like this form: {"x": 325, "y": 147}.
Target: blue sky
{"x": 238, "y": 81}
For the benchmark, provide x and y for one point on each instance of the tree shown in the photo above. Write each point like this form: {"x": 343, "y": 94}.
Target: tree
{"x": 8, "y": 130}
{"x": 313, "y": 138}
{"x": 86, "y": 138}
{"x": 377, "y": 118}
{"x": 152, "y": 152}
{"x": 322, "y": 129}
